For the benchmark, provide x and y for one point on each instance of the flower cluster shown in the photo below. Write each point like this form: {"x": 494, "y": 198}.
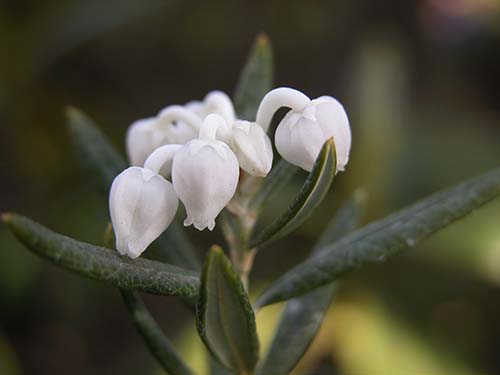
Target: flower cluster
{"x": 195, "y": 152}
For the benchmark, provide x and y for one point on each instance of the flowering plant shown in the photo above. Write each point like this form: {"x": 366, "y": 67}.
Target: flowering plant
{"x": 224, "y": 163}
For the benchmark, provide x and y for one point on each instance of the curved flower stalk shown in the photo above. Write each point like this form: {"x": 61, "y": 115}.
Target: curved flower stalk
{"x": 303, "y": 131}
{"x": 161, "y": 160}
{"x": 252, "y": 147}
{"x": 276, "y": 99}
{"x": 205, "y": 175}
{"x": 142, "y": 139}
{"x": 142, "y": 205}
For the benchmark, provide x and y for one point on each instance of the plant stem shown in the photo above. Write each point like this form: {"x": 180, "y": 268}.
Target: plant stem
{"x": 238, "y": 225}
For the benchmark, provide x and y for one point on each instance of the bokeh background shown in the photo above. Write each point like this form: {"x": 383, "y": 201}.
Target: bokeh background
{"x": 419, "y": 80}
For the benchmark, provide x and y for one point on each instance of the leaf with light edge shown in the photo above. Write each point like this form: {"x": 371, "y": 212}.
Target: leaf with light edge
{"x": 224, "y": 315}
{"x": 97, "y": 263}
{"x": 302, "y": 316}
{"x": 311, "y": 194}
{"x": 381, "y": 239}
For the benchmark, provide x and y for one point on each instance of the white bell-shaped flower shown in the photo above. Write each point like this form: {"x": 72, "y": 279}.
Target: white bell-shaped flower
{"x": 252, "y": 147}
{"x": 305, "y": 128}
{"x": 332, "y": 118}
{"x": 143, "y": 137}
{"x": 142, "y": 205}
{"x": 205, "y": 175}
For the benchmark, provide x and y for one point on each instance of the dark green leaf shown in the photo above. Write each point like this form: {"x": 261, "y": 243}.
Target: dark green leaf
{"x": 302, "y": 317}
{"x": 310, "y": 196}
{"x": 216, "y": 368}
{"x": 279, "y": 177}
{"x": 96, "y": 263}
{"x": 256, "y": 79}
{"x": 225, "y": 317}
{"x": 375, "y": 242}
{"x": 161, "y": 348}
{"x": 345, "y": 221}
{"x": 93, "y": 150}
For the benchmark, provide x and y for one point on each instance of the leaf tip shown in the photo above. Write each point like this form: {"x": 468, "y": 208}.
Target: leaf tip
{"x": 7, "y": 217}
{"x": 71, "y": 111}
{"x": 215, "y": 252}
{"x": 360, "y": 196}
{"x": 262, "y": 40}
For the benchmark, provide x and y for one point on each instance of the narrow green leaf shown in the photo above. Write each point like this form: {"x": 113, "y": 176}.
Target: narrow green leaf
{"x": 302, "y": 317}
{"x": 159, "y": 346}
{"x": 345, "y": 220}
{"x": 225, "y": 317}
{"x": 96, "y": 263}
{"x": 394, "y": 234}
{"x": 279, "y": 177}
{"x": 309, "y": 198}
{"x": 216, "y": 368}
{"x": 97, "y": 154}
{"x": 256, "y": 79}
{"x": 93, "y": 149}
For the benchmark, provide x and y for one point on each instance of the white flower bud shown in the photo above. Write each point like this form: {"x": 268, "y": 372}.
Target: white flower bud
{"x": 142, "y": 204}
{"x": 252, "y": 147}
{"x": 142, "y": 138}
{"x": 160, "y": 161}
{"x": 218, "y": 102}
{"x": 303, "y": 131}
{"x": 205, "y": 175}
{"x": 300, "y": 136}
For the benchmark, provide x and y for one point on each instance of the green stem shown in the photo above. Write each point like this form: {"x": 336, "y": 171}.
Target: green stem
{"x": 238, "y": 224}
{"x": 159, "y": 346}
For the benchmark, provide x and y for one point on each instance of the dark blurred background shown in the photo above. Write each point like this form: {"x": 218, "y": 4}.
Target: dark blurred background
{"x": 419, "y": 80}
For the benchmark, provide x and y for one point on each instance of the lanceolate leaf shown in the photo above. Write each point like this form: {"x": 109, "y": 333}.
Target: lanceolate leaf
{"x": 158, "y": 344}
{"x": 389, "y": 236}
{"x": 93, "y": 150}
{"x": 97, "y": 263}
{"x": 97, "y": 154}
{"x": 310, "y": 196}
{"x": 256, "y": 79}
{"x": 302, "y": 317}
{"x": 281, "y": 174}
{"x": 346, "y": 219}
{"x": 225, "y": 317}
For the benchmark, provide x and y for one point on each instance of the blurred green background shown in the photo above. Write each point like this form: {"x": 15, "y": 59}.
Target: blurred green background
{"x": 419, "y": 80}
